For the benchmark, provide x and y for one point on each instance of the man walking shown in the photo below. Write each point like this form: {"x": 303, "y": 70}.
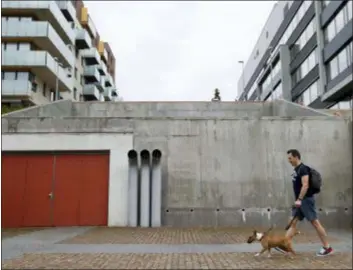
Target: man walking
{"x": 305, "y": 202}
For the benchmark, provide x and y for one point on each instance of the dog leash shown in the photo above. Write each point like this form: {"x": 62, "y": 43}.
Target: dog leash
{"x": 292, "y": 220}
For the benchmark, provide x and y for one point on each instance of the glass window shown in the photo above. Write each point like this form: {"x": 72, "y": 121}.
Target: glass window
{"x": 333, "y": 68}
{"x": 314, "y": 91}
{"x": 306, "y": 97}
{"x": 345, "y": 105}
{"x": 11, "y": 46}
{"x": 22, "y": 76}
{"x": 330, "y": 31}
{"x": 349, "y": 10}
{"x": 10, "y": 75}
{"x": 304, "y": 68}
{"x": 25, "y": 46}
{"x": 339, "y": 19}
{"x": 342, "y": 61}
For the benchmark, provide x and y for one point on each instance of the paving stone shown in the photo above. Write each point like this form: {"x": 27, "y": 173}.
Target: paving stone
{"x": 171, "y": 236}
{"x": 177, "y": 261}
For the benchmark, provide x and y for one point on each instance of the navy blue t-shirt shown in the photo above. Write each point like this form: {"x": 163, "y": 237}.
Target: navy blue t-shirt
{"x": 300, "y": 171}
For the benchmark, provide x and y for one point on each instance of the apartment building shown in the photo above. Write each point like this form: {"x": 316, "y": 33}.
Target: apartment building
{"x": 51, "y": 50}
{"x": 304, "y": 54}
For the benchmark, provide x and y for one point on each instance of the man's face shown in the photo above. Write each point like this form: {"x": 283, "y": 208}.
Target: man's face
{"x": 292, "y": 160}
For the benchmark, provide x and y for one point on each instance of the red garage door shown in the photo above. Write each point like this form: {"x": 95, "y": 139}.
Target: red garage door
{"x": 54, "y": 190}
{"x": 81, "y": 190}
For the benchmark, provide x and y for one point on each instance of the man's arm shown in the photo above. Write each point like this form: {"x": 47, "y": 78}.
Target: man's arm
{"x": 305, "y": 184}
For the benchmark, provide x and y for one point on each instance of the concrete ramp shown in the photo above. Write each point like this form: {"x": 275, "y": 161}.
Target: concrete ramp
{"x": 61, "y": 108}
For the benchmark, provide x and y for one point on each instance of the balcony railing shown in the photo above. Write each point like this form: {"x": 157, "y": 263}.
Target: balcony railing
{"x": 91, "y": 90}
{"x": 83, "y": 40}
{"x": 68, "y": 9}
{"x": 45, "y": 11}
{"x": 39, "y": 32}
{"x": 16, "y": 88}
{"x": 38, "y": 61}
{"x": 91, "y": 56}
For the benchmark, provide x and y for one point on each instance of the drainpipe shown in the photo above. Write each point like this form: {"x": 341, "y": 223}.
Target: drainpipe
{"x": 145, "y": 189}
{"x": 133, "y": 189}
{"x": 156, "y": 205}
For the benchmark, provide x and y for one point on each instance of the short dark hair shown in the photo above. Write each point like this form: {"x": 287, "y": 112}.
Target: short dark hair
{"x": 294, "y": 153}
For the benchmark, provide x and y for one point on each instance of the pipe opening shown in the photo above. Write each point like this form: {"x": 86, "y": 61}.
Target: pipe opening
{"x": 191, "y": 210}
{"x": 132, "y": 154}
{"x": 217, "y": 209}
{"x": 145, "y": 154}
{"x": 346, "y": 209}
{"x": 268, "y": 209}
{"x": 167, "y": 210}
{"x": 156, "y": 154}
{"x": 320, "y": 209}
{"x": 243, "y": 210}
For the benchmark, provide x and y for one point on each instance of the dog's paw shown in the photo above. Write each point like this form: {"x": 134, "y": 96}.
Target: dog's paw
{"x": 269, "y": 256}
{"x": 257, "y": 254}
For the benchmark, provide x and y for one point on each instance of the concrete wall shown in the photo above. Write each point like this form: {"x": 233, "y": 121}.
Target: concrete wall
{"x": 224, "y": 171}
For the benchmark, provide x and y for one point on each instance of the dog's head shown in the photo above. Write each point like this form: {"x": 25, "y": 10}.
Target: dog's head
{"x": 256, "y": 236}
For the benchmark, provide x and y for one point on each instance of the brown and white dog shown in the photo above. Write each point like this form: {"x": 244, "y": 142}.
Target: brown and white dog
{"x": 269, "y": 241}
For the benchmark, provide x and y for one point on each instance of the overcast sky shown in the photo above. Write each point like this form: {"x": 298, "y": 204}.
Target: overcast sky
{"x": 179, "y": 51}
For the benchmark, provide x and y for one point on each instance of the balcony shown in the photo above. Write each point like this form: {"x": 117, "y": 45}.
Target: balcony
{"x": 91, "y": 56}
{"x": 42, "y": 34}
{"x": 44, "y": 11}
{"x": 100, "y": 84}
{"x": 83, "y": 40}
{"x": 41, "y": 63}
{"x": 87, "y": 23}
{"x": 102, "y": 68}
{"x": 107, "y": 93}
{"x": 91, "y": 74}
{"x": 16, "y": 89}
{"x": 91, "y": 92}
{"x": 108, "y": 80}
{"x": 67, "y": 9}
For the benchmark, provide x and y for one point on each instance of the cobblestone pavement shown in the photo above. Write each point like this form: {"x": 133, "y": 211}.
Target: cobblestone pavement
{"x": 177, "y": 261}
{"x": 175, "y": 236}
{"x": 49, "y": 249}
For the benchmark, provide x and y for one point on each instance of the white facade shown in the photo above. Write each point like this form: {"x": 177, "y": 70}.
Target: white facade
{"x": 43, "y": 46}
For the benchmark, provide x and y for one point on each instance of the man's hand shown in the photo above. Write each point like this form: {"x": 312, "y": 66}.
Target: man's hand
{"x": 298, "y": 203}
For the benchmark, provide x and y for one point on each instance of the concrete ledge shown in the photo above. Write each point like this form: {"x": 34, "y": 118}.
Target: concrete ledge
{"x": 338, "y": 218}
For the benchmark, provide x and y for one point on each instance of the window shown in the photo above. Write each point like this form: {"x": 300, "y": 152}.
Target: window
{"x": 10, "y": 75}
{"x": 308, "y": 64}
{"x": 34, "y": 86}
{"x": 52, "y": 95}
{"x": 24, "y": 46}
{"x": 333, "y": 68}
{"x": 340, "y": 62}
{"x": 2, "y": 75}
{"x": 76, "y": 73}
{"x": 31, "y": 77}
{"x": 336, "y": 25}
{"x": 23, "y": 76}
{"x": 310, "y": 94}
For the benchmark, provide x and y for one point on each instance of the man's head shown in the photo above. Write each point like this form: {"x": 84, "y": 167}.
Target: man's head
{"x": 294, "y": 157}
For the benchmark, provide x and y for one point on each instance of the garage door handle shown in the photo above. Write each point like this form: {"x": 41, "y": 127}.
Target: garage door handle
{"x": 51, "y": 195}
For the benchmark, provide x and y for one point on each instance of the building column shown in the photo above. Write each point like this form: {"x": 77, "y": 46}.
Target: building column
{"x": 286, "y": 77}
{"x": 320, "y": 46}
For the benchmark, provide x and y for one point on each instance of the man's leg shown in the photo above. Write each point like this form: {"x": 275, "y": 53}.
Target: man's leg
{"x": 298, "y": 216}
{"x": 309, "y": 210}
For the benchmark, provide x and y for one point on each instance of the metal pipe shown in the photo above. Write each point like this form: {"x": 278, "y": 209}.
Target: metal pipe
{"x": 156, "y": 194}
{"x": 133, "y": 189}
{"x": 145, "y": 186}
